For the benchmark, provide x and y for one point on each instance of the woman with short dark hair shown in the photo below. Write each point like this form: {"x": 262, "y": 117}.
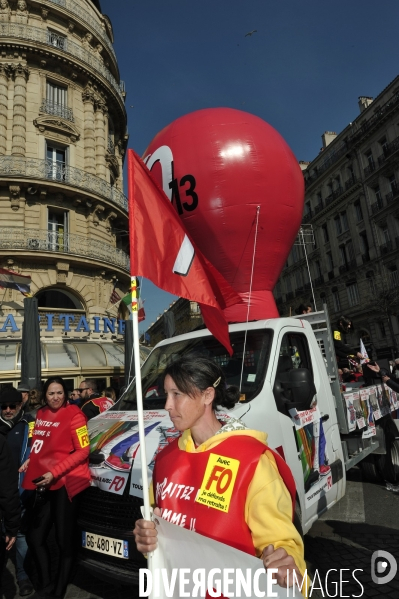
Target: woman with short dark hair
{"x": 58, "y": 470}
{"x": 255, "y": 515}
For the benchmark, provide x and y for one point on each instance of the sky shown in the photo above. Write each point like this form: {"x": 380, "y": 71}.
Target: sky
{"x": 302, "y": 71}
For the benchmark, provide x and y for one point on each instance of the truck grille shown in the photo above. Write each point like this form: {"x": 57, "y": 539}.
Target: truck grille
{"x": 107, "y": 510}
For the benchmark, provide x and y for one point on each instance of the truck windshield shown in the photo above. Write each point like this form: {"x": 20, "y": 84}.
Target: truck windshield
{"x": 250, "y": 371}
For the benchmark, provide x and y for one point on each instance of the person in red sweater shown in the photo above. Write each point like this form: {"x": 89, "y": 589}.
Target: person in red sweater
{"x": 58, "y": 470}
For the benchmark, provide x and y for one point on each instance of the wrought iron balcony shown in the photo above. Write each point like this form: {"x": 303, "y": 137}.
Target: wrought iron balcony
{"x": 393, "y": 194}
{"x": 85, "y": 15}
{"x": 33, "y": 240}
{"x": 365, "y": 258}
{"x": 386, "y": 247}
{"x": 369, "y": 169}
{"x": 389, "y": 149}
{"x": 56, "y": 40}
{"x": 377, "y": 206}
{"x": 110, "y": 145}
{"x": 350, "y": 182}
{"x": 57, "y": 109}
{"x": 35, "y": 34}
{"x": 34, "y": 168}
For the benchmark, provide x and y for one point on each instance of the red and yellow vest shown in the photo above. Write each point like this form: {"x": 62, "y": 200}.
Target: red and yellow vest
{"x": 207, "y": 491}
{"x": 52, "y": 445}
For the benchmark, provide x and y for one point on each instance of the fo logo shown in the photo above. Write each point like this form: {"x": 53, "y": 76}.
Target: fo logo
{"x": 383, "y": 567}
{"x": 118, "y": 483}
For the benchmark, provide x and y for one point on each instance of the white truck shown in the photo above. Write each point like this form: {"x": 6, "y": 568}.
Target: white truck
{"x": 287, "y": 373}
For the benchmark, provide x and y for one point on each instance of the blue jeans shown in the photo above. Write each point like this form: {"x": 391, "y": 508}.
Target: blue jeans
{"x": 21, "y": 550}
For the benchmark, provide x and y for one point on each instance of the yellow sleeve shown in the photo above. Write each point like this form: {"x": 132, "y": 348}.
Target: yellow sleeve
{"x": 268, "y": 513}
{"x": 337, "y": 335}
{"x": 152, "y": 496}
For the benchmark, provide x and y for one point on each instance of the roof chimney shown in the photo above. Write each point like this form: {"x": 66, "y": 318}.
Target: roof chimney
{"x": 364, "y": 102}
{"x": 328, "y": 137}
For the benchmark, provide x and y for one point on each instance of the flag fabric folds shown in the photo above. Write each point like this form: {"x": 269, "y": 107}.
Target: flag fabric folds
{"x": 13, "y": 280}
{"x": 115, "y": 297}
{"x": 162, "y": 251}
{"x": 127, "y": 300}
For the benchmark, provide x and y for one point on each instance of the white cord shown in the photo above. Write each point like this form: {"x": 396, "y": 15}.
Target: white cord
{"x": 250, "y": 293}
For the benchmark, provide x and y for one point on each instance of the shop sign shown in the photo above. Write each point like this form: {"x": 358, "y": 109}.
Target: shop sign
{"x": 95, "y": 324}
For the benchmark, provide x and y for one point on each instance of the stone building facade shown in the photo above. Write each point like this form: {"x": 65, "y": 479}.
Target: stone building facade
{"x": 352, "y": 205}
{"x": 181, "y": 317}
{"x": 63, "y": 136}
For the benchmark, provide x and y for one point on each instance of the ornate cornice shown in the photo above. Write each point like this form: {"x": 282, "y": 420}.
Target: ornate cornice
{"x": 59, "y": 125}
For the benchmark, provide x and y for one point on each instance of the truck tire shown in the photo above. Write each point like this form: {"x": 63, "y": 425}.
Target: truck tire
{"x": 370, "y": 469}
{"x": 298, "y": 518}
{"x": 389, "y": 463}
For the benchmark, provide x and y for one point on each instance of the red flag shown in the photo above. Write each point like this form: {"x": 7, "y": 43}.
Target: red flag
{"x": 162, "y": 251}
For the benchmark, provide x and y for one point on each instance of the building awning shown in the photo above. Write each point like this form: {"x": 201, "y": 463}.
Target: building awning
{"x": 89, "y": 355}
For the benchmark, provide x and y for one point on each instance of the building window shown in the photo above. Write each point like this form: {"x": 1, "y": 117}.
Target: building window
{"x": 384, "y": 144}
{"x": 330, "y": 263}
{"x": 344, "y": 219}
{"x": 56, "y": 101}
{"x": 358, "y": 211}
{"x": 371, "y": 280}
{"x": 298, "y": 279}
{"x": 336, "y": 300}
{"x": 57, "y": 40}
{"x": 370, "y": 159}
{"x": 57, "y": 230}
{"x": 381, "y": 329}
{"x": 325, "y": 233}
{"x": 377, "y": 193}
{"x": 342, "y": 255}
{"x": 317, "y": 268}
{"x": 350, "y": 251}
{"x": 353, "y": 294}
{"x": 338, "y": 226}
{"x": 56, "y": 162}
{"x": 392, "y": 183}
{"x": 385, "y": 235}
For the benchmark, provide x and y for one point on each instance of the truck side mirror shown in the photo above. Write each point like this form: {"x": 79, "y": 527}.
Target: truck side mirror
{"x": 297, "y": 388}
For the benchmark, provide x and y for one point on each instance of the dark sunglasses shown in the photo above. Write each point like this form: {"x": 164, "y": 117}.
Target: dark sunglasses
{"x": 10, "y": 406}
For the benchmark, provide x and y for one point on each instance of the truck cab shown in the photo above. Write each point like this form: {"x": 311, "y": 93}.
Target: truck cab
{"x": 286, "y": 371}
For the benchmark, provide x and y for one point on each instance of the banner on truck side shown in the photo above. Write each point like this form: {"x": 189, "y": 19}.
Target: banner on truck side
{"x": 115, "y": 447}
{"x": 312, "y": 447}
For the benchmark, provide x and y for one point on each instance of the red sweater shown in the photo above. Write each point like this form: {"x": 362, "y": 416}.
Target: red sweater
{"x": 60, "y": 445}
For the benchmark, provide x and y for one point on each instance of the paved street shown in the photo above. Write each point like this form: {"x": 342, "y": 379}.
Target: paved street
{"x": 366, "y": 520}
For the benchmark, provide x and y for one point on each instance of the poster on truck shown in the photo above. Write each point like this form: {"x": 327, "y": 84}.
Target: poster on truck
{"x": 114, "y": 445}
{"x": 350, "y": 412}
{"x": 312, "y": 448}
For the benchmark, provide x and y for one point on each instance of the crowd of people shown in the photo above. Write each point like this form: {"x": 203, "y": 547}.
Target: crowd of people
{"x": 44, "y": 450}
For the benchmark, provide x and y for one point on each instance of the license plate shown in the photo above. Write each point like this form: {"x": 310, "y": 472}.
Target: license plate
{"x": 107, "y": 545}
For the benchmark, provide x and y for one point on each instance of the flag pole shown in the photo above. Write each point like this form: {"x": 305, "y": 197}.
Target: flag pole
{"x": 151, "y": 557}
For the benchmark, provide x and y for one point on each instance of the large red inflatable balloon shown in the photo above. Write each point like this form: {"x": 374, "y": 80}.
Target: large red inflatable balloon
{"x": 217, "y": 166}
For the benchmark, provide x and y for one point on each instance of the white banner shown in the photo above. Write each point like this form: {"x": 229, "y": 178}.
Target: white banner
{"x": 187, "y": 564}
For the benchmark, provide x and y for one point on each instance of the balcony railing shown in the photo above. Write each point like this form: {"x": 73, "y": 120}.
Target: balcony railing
{"x": 393, "y": 194}
{"x": 85, "y": 15}
{"x": 369, "y": 169}
{"x": 386, "y": 247}
{"x": 33, "y": 240}
{"x": 57, "y": 109}
{"x": 350, "y": 182}
{"x": 35, "y": 34}
{"x": 365, "y": 258}
{"x": 389, "y": 149}
{"x": 377, "y": 206}
{"x": 334, "y": 155}
{"x": 110, "y": 145}
{"x": 34, "y": 168}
